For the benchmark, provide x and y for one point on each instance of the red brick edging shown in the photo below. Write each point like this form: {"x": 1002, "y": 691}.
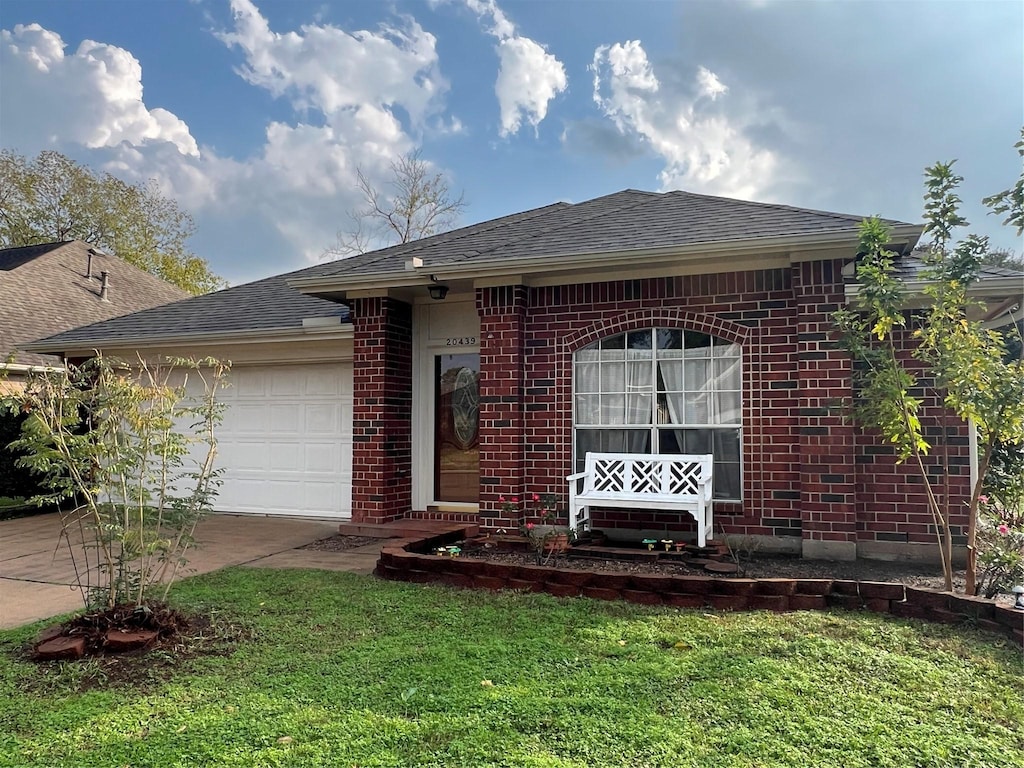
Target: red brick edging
{"x": 399, "y": 563}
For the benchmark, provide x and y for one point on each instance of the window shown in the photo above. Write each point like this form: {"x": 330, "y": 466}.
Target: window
{"x": 457, "y": 431}
{"x": 661, "y": 390}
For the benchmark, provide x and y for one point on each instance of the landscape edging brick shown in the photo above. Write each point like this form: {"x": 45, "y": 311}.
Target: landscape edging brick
{"x": 407, "y": 563}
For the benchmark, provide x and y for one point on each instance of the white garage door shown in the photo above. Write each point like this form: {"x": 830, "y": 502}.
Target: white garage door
{"x": 286, "y": 441}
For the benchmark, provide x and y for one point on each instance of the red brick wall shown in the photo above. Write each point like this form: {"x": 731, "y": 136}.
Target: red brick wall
{"x": 824, "y": 376}
{"x": 382, "y": 410}
{"x": 502, "y": 333}
{"x": 754, "y": 309}
{"x": 806, "y": 472}
{"x": 891, "y": 501}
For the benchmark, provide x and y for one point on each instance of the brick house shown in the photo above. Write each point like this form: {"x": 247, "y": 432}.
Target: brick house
{"x": 485, "y": 362}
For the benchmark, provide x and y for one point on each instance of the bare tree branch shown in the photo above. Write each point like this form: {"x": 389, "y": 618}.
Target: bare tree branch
{"x": 416, "y": 203}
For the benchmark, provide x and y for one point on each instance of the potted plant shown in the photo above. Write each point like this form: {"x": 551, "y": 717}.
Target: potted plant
{"x": 546, "y": 537}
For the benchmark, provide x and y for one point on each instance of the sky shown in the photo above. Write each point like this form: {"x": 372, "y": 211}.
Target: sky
{"x": 255, "y": 115}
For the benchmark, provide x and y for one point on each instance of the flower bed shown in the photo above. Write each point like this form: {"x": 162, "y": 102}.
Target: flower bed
{"x": 407, "y": 560}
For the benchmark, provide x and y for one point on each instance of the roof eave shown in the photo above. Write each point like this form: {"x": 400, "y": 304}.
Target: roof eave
{"x": 342, "y": 331}
{"x": 907, "y": 234}
{"x": 987, "y": 287}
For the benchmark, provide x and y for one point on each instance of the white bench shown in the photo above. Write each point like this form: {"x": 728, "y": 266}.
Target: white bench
{"x": 673, "y": 483}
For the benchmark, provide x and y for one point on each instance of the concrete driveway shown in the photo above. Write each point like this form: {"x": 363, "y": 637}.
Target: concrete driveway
{"x": 36, "y": 575}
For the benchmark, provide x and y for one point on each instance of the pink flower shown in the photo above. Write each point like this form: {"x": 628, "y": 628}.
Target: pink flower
{"x": 529, "y": 526}
{"x": 1004, "y": 530}
{"x": 501, "y": 499}
{"x": 515, "y": 499}
{"x": 536, "y": 497}
{"x": 983, "y": 499}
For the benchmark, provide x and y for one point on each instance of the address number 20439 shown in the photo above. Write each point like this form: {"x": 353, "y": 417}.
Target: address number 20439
{"x": 460, "y": 341}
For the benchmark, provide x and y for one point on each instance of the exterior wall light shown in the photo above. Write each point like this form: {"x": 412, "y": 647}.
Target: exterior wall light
{"x": 436, "y": 289}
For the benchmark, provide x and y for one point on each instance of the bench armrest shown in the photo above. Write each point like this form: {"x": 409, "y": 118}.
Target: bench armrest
{"x": 577, "y": 476}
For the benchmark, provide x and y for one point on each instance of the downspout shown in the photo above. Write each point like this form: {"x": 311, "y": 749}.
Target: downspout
{"x": 972, "y": 445}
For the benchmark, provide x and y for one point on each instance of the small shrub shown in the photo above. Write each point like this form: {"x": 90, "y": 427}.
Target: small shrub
{"x": 1000, "y": 547}
{"x": 135, "y": 456}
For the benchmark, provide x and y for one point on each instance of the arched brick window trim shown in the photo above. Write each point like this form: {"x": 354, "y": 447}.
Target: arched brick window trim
{"x": 658, "y": 318}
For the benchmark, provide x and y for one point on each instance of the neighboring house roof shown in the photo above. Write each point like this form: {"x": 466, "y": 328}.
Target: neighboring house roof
{"x": 914, "y": 268}
{"x": 44, "y": 289}
{"x": 600, "y": 229}
{"x": 265, "y": 305}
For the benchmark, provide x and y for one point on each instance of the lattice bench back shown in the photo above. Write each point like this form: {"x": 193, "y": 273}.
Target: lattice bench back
{"x": 660, "y": 475}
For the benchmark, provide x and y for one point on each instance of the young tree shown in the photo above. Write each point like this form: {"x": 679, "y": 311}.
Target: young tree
{"x": 134, "y": 453}
{"x": 54, "y": 198}
{"x": 870, "y": 331}
{"x": 982, "y": 386}
{"x": 417, "y": 204}
{"x": 1011, "y": 201}
{"x": 967, "y": 361}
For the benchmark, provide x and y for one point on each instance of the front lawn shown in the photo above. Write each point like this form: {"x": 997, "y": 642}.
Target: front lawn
{"x": 345, "y": 670}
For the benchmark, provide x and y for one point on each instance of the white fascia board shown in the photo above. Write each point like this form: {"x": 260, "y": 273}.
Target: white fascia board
{"x": 21, "y": 368}
{"x": 207, "y": 337}
{"x": 794, "y": 245}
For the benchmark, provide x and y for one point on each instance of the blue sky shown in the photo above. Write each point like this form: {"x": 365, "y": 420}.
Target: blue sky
{"x": 255, "y": 114}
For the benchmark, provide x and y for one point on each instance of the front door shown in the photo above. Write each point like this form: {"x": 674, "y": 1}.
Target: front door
{"x": 457, "y": 428}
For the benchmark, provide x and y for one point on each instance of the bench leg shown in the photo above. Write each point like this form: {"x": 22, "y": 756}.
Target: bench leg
{"x": 579, "y": 518}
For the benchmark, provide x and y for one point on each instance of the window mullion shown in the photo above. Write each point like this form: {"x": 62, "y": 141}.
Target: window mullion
{"x": 655, "y": 437}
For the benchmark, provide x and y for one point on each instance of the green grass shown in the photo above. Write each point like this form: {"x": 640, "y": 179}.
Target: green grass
{"x": 359, "y": 672}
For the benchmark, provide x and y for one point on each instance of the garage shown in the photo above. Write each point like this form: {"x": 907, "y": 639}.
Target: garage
{"x": 286, "y": 441}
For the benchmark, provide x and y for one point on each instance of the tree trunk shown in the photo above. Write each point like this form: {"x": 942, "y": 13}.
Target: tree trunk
{"x": 971, "y": 587}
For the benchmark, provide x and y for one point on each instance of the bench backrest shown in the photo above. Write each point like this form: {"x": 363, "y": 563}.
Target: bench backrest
{"x": 654, "y": 474}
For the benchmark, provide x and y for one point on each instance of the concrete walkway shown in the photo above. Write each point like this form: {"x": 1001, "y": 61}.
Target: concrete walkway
{"x": 36, "y": 575}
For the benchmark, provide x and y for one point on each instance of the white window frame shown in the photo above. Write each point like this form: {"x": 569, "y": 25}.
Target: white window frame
{"x": 654, "y": 393}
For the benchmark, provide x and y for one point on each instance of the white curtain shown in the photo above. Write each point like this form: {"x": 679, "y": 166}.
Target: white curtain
{"x": 639, "y": 378}
{"x": 588, "y": 385}
{"x": 672, "y": 374}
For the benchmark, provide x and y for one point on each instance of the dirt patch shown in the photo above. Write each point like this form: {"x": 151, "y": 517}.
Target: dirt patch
{"x": 340, "y": 543}
{"x": 109, "y": 660}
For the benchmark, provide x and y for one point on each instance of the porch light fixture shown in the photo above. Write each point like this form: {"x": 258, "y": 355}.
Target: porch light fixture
{"x": 437, "y": 289}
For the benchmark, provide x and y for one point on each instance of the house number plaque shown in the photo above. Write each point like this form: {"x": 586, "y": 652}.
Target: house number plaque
{"x": 460, "y": 341}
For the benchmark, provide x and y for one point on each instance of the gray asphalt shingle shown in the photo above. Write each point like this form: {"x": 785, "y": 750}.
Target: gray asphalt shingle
{"x": 44, "y": 289}
{"x": 627, "y": 220}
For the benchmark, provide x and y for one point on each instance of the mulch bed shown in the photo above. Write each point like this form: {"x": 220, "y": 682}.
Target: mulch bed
{"x": 131, "y": 645}
{"x": 754, "y": 566}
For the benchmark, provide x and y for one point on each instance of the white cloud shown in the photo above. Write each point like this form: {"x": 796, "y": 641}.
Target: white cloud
{"x": 92, "y": 97}
{"x": 709, "y": 84}
{"x": 528, "y": 79}
{"x": 500, "y": 26}
{"x": 359, "y": 100}
{"x": 528, "y": 76}
{"x": 328, "y": 69}
{"x": 704, "y": 148}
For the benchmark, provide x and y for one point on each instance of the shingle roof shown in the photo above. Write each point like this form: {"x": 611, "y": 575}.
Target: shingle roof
{"x": 44, "y": 289}
{"x": 914, "y": 268}
{"x": 623, "y": 221}
{"x": 268, "y": 304}
{"x": 627, "y": 220}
